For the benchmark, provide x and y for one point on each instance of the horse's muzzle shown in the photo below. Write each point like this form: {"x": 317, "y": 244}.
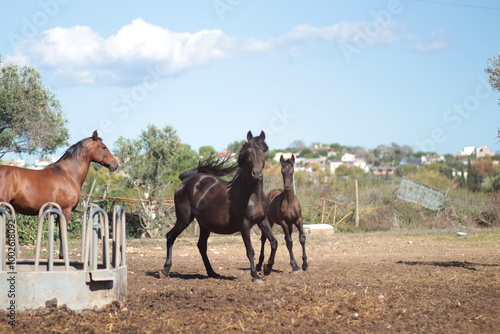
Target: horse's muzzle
{"x": 257, "y": 174}
{"x": 112, "y": 168}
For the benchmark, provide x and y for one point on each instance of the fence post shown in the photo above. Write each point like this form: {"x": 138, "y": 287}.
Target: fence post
{"x": 356, "y": 208}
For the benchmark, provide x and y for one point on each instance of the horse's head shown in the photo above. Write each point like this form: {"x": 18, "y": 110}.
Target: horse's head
{"x": 287, "y": 171}
{"x": 252, "y": 156}
{"x": 101, "y": 154}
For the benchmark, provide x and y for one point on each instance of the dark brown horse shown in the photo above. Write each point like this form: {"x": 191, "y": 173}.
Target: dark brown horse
{"x": 285, "y": 210}
{"x": 224, "y": 207}
{"x": 27, "y": 189}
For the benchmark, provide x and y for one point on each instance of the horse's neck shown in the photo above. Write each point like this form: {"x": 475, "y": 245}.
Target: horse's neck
{"x": 244, "y": 184}
{"x": 290, "y": 193}
{"x": 75, "y": 169}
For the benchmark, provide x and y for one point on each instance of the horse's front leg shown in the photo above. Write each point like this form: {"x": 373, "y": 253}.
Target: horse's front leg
{"x": 263, "y": 239}
{"x": 245, "y": 233}
{"x": 267, "y": 230}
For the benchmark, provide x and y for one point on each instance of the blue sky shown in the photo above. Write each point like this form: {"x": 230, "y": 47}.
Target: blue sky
{"x": 358, "y": 73}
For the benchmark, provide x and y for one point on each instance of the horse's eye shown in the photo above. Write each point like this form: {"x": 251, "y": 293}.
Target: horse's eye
{"x": 104, "y": 147}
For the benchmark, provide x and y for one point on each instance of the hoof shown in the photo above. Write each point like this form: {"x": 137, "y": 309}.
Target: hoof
{"x": 163, "y": 273}
{"x": 305, "y": 266}
{"x": 296, "y": 271}
{"x": 258, "y": 267}
{"x": 267, "y": 270}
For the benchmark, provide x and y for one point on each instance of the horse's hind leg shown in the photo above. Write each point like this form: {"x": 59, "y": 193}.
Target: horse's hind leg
{"x": 202, "y": 247}
{"x": 180, "y": 225}
{"x": 302, "y": 239}
{"x": 287, "y": 229}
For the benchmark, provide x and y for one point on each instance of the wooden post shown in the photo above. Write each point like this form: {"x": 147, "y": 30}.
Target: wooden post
{"x": 356, "y": 208}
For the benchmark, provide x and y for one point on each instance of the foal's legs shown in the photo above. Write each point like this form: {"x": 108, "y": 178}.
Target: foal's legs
{"x": 202, "y": 247}
{"x": 287, "y": 230}
{"x": 302, "y": 239}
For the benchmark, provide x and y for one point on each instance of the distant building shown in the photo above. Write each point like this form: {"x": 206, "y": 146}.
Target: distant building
{"x": 382, "y": 170}
{"x": 44, "y": 162}
{"x": 479, "y": 152}
{"x": 348, "y": 157}
{"x": 333, "y": 165}
{"x": 468, "y": 150}
{"x": 325, "y": 150}
{"x": 286, "y": 155}
{"x": 482, "y": 151}
{"x": 15, "y": 162}
{"x": 416, "y": 161}
{"x": 429, "y": 159}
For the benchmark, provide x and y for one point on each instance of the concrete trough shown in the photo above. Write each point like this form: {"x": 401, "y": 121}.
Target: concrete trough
{"x": 98, "y": 278}
{"x": 318, "y": 229}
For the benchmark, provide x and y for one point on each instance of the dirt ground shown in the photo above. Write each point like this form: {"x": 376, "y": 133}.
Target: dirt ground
{"x": 406, "y": 282}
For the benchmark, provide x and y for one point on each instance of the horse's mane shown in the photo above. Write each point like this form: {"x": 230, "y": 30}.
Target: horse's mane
{"x": 73, "y": 151}
{"x": 212, "y": 165}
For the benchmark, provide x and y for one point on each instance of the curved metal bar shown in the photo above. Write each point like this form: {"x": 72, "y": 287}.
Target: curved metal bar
{"x": 63, "y": 237}
{"x": 100, "y": 226}
{"x": 85, "y": 222}
{"x": 119, "y": 236}
{"x": 7, "y": 213}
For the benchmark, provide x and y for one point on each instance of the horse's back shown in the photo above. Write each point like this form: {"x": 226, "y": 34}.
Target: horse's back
{"x": 28, "y": 189}
{"x": 201, "y": 191}
{"x": 273, "y": 194}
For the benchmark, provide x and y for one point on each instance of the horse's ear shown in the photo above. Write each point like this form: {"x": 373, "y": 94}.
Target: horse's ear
{"x": 262, "y": 135}
{"x": 282, "y": 160}
{"x": 249, "y": 135}
{"x": 95, "y": 136}
{"x": 293, "y": 159}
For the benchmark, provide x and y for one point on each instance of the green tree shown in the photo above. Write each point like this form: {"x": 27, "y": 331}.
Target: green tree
{"x": 350, "y": 171}
{"x": 235, "y": 147}
{"x": 31, "y": 119}
{"x": 206, "y": 151}
{"x": 186, "y": 159}
{"x": 474, "y": 180}
{"x": 148, "y": 161}
{"x": 493, "y": 69}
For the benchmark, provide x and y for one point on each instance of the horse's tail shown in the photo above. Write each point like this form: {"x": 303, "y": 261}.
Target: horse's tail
{"x": 212, "y": 166}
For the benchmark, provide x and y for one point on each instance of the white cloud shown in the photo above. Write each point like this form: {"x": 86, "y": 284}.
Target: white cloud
{"x": 436, "y": 41}
{"x": 78, "y": 55}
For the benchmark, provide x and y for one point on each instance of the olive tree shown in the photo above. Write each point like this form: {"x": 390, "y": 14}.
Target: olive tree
{"x": 148, "y": 161}
{"x": 31, "y": 119}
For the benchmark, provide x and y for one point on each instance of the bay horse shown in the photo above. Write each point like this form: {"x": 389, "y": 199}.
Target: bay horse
{"x": 28, "y": 189}
{"x": 285, "y": 210}
{"x": 224, "y": 207}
